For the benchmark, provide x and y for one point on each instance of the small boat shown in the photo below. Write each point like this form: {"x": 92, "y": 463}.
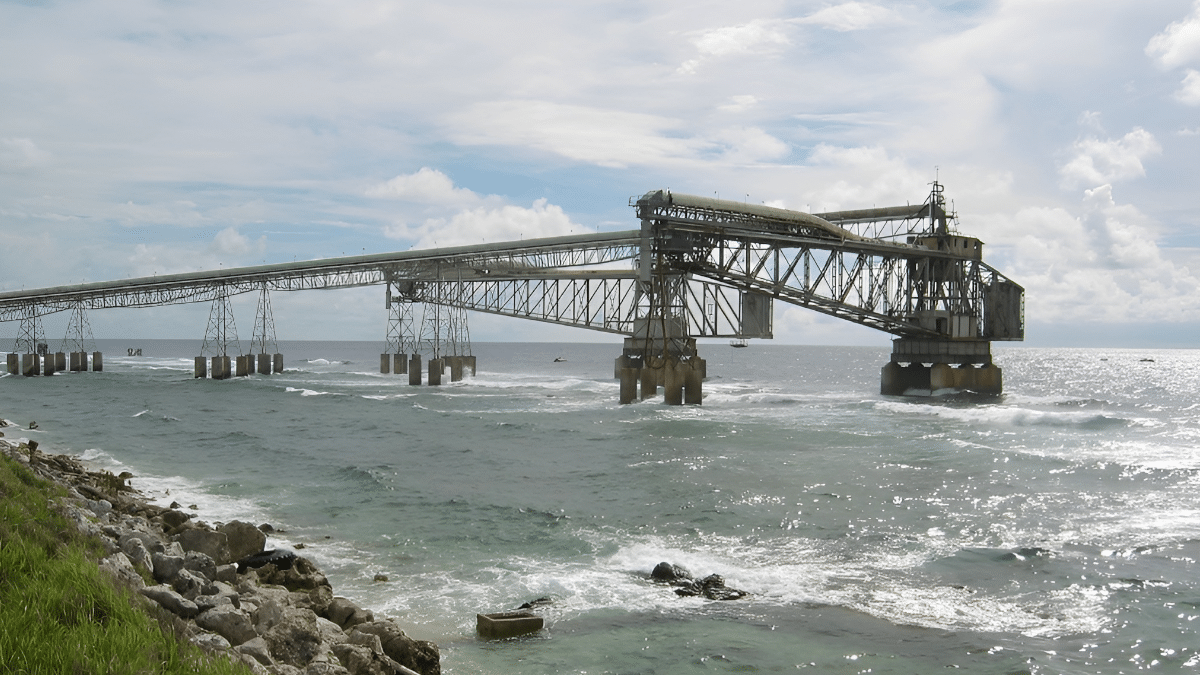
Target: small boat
{"x": 559, "y": 359}
{"x": 739, "y": 343}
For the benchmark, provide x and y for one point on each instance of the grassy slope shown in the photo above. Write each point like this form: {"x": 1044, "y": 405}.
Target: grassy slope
{"x": 58, "y": 612}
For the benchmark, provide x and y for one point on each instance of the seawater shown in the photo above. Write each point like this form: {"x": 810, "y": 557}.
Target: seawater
{"x": 1054, "y": 529}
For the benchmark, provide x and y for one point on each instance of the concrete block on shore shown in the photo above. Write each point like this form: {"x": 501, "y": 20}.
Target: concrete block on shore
{"x": 507, "y": 624}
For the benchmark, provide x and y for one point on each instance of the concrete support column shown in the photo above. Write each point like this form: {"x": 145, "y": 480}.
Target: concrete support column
{"x": 989, "y": 379}
{"x": 30, "y": 364}
{"x": 220, "y": 368}
{"x": 48, "y": 365}
{"x": 941, "y": 376}
{"x": 385, "y": 364}
{"x": 414, "y": 369}
{"x": 693, "y": 382}
{"x": 629, "y": 383}
{"x": 60, "y": 362}
{"x": 239, "y": 363}
{"x": 436, "y": 367}
{"x": 673, "y": 378}
{"x": 200, "y": 371}
{"x": 469, "y": 363}
{"x": 264, "y": 364}
{"x": 97, "y": 362}
{"x": 651, "y": 377}
{"x": 456, "y": 368}
{"x": 75, "y": 362}
{"x": 399, "y": 363}
{"x": 277, "y": 363}
{"x": 14, "y": 364}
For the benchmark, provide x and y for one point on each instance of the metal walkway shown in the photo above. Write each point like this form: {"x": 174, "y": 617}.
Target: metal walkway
{"x": 696, "y": 268}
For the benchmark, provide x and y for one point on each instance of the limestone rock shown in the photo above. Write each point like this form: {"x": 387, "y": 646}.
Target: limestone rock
{"x": 211, "y": 642}
{"x": 295, "y": 639}
{"x": 135, "y": 549}
{"x": 166, "y": 566}
{"x": 189, "y": 584}
{"x": 301, "y": 575}
{"x": 243, "y": 540}
{"x": 258, "y": 649}
{"x": 347, "y": 614}
{"x": 665, "y": 571}
{"x": 229, "y": 622}
{"x": 213, "y": 544}
{"x": 200, "y": 563}
{"x": 173, "y": 602}
{"x": 712, "y": 587}
{"x": 119, "y": 567}
{"x": 419, "y": 655}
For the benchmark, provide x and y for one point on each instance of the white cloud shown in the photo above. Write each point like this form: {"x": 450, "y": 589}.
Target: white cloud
{"x": 850, "y": 16}
{"x": 20, "y": 154}
{"x": 1095, "y": 162}
{"x": 487, "y": 224}
{"x": 1179, "y": 43}
{"x": 755, "y": 37}
{"x": 1189, "y": 89}
{"x": 427, "y": 185}
{"x": 230, "y": 242}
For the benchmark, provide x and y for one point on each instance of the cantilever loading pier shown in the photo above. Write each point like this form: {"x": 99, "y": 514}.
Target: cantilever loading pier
{"x": 695, "y": 268}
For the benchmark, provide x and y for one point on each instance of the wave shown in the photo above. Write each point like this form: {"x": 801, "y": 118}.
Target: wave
{"x": 1011, "y": 416}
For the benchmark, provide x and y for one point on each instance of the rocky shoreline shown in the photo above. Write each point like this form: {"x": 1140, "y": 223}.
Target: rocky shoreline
{"x": 274, "y": 611}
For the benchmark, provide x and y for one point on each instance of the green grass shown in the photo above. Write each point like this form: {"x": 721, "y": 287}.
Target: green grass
{"x": 58, "y": 612}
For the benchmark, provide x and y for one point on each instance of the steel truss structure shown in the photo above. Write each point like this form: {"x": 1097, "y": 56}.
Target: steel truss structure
{"x": 697, "y": 267}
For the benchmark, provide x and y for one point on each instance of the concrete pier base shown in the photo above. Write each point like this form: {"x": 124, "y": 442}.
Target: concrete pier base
{"x": 436, "y": 368}
{"x": 414, "y": 369}
{"x": 31, "y": 365}
{"x": 60, "y": 362}
{"x": 469, "y": 363}
{"x": 221, "y": 368}
{"x": 48, "y": 365}
{"x": 456, "y": 368}
{"x": 241, "y": 365}
{"x": 97, "y": 362}
{"x": 925, "y": 367}
{"x": 277, "y": 363}
{"x": 399, "y": 363}
{"x": 264, "y": 364}
{"x": 681, "y": 379}
{"x": 200, "y": 371}
{"x": 78, "y": 362}
{"x": 385, "y": 364}
{"x": 14, "y": 364}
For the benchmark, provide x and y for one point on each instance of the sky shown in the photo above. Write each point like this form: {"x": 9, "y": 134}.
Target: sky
{"x": 142, "y": 137}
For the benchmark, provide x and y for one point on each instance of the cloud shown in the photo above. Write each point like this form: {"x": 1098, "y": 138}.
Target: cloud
{"x": 487, "y": 224}
{"x": 20, "y": 154}
{"x": 1102, "y": 265}
{"x": 1096, "y": 162}
{"x": 1189, "y": 90}
{"x": 230, "y": 242}
{"x": 427, "y": 185}
{"x": 609, "y": 138}
{"x": 1178, "y": 43}
{"x": 851, "y": 16}
{"x": 755, "y": 37}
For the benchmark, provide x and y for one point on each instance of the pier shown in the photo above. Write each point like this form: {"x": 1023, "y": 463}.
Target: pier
{"x": 696, "y": 267}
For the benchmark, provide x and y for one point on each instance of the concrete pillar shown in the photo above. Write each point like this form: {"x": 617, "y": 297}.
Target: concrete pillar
{"x": 200, "y": 371}
{"x": 277, "y": 363}
{"x": 941, "y": 376}
{"x": 414, "y": 369}
{"x": 989, "y": 379}
{"x": 399, "y": 363}
{"x": 456, "y": 368}
{"x": 97, "y": 362}
{"x": 693, "y": 383}
{"x": 651, "y": 377}
{"x": 891, "y": 379}
{"x": 469, "y": 364}
{"x": 436, "y": 366}
{"x": 14, "y": 364}
{"x": 264, "y": 364}
{"x": 240, "y": 366}
{"x": 60, "y": 362}
{"x": 220, "y": 367}
{"x": 673, "y": 377}
{"x": 30, "y": 364}
{"x": 964, "y": 377}
{"x": 48, "y": 365}
{"x": 385, "y": 363}
{"x": 75, "y": 362}
{"x": 629, "y": 383}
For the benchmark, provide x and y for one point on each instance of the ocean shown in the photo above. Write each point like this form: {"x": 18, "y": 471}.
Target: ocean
{"x": 1054, "y": 529}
